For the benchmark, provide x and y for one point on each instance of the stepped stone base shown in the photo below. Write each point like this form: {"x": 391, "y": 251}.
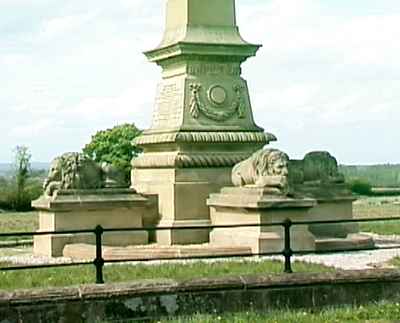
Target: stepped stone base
{"x": 152, "y": 252}
{"x": 351, "y": 242}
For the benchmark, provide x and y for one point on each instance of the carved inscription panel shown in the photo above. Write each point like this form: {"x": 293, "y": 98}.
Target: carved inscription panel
{"x": 168, "y": 111}
{"x": 214, "y": 69}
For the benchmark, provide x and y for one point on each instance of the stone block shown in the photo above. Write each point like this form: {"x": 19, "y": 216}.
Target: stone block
{"x": 241, "y": 206}
{"x": 84, "y": 210}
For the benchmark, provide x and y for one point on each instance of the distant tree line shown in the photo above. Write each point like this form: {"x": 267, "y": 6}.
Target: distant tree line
{"x": 387, "y": 175}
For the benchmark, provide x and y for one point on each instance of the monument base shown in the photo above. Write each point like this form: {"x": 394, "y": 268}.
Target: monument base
{"x": 86, "y": 209}
{"x": 153, "y": 252}
{"x": 182, "y": 195}
{"x": 241, "y": 205}
{"x": 335, "y": 202}
{"x": 354, "y": 241}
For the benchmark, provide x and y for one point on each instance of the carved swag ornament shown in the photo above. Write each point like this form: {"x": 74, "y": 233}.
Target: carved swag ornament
{"x": 216, "y": 114}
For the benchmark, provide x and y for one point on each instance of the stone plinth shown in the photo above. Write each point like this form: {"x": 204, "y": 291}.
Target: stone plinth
{"x": 242, "y": 205}
{"x": 335, "y": 202}
{"x": 203, "y": 122}
{"x": 85, "y": 209}
{"x": 182, "y": 194}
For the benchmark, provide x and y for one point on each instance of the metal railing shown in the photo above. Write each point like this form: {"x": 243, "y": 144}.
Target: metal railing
{"x": 287, "y": 251}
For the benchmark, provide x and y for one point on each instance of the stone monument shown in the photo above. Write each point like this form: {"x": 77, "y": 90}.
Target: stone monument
{"x": 202, "y": 123}
{"x": 202, "y": 140}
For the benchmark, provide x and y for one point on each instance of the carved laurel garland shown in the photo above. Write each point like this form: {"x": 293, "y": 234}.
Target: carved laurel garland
{"x": 196, "y": 106}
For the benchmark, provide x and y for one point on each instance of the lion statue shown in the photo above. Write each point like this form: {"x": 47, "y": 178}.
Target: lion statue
{"x": 317, "y": 167}
{"x": 79, "y": 172}
{"x": 264, "y": 169}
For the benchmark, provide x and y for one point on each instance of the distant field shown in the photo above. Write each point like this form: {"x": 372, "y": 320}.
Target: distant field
{"x": 18, "y": 222}
{"x": 377, "y": 175}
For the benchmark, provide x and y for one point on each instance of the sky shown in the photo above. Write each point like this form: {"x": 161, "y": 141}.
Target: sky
{"x": 326, "y": 78}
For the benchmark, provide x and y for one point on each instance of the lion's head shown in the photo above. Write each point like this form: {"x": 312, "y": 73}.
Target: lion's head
{"x": 265, "y": 168}
{"x": 72, "y": 171}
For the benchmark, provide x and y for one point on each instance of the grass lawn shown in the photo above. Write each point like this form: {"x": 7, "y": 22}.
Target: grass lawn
{"x": 70, "y": 276}
{"x": 18, "y": 222}
{"x": 383, "y": 312}
{"x": 378, "y": 207}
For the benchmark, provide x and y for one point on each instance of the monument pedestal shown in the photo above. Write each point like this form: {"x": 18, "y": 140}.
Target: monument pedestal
{"x": 182, "y": 195}
{"x": 243, "y": 205}
{"x": 85, "y": 209}
{"x": 335, "y": 202}
{"x": 203, "y": 123}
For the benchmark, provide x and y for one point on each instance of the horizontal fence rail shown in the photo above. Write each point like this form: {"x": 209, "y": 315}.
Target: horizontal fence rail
{"x": 287, "y": 251}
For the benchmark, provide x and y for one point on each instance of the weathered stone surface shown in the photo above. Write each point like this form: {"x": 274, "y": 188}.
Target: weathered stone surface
{"x": 350, "y": 242}
{"x": 77, "y": 171}
{"x": 317, "y": 167}
{"x": 84, "y": 210}
{"x": 244, "y": 205}
{"x": 256, "y": 198}
{"x": 202, "y": 122}
{"x": 151, "y": 299}
{"x": 85, "y": 251}
{"x": 264, "y": 169}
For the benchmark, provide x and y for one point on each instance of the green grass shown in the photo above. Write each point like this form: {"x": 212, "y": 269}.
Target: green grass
{"x": 383, "y": 228}
{"x": 383, "y": 312}
{"x": 70, "y": 276}
{"x": 18, "y": 222}
{"x": 395, "y": 262}
{"x": 378, "y": 207}
{"x": 375, "y": 207}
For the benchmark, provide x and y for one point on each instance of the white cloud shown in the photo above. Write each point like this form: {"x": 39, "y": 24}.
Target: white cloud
{"x": 58, "y": 26}
{"x": 77, "y": 67}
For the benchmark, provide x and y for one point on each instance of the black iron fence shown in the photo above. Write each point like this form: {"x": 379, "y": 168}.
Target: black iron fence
{"x": 288, "y": 252}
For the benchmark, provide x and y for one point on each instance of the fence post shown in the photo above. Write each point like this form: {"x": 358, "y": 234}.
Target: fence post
{"x": 287, "y": 251}
{"x": 99, "y": 261}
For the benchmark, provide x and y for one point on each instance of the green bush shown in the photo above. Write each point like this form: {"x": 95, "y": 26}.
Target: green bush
{"x": 115, "y": 146}
{"x": 11, "y": 199}
{"x": 359, "y": 186}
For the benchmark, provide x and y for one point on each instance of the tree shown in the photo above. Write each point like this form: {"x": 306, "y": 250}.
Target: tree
{"x": 114, "y": 146}
{"x": 22, "y": 167}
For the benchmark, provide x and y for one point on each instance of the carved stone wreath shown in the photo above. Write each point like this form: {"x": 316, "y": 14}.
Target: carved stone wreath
{"x": 197, "y": 106}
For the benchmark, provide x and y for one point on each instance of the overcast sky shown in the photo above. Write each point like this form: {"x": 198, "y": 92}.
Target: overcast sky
{"x": 327, "y": 77}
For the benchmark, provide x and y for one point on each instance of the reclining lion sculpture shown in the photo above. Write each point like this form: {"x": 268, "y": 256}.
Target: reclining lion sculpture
{"x": 264, "y": 169}
{"x": 77, "y": 171}
{"x": 317, "y": 167}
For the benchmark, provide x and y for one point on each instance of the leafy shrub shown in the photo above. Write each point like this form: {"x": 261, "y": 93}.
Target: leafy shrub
{"x": 114, "y": 146}
{"x": 11, "y": 199}
{"x": 362, "y": 187}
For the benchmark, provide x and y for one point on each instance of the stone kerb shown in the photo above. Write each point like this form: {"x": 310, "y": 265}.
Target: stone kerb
{"x": 162, "y": 298}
